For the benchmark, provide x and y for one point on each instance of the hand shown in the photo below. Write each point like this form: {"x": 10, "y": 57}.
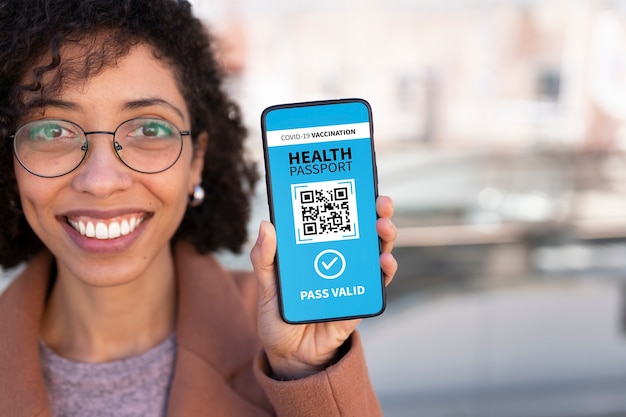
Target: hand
{"x": 296, "y": 351}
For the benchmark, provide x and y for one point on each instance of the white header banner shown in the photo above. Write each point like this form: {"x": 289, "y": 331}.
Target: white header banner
{"x": 317, "y": 134}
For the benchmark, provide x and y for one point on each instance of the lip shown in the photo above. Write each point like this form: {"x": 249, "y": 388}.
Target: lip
{"x": 92, "y": 244}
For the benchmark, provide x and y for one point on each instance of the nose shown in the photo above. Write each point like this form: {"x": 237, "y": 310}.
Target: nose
{"x": 101, "y": 172}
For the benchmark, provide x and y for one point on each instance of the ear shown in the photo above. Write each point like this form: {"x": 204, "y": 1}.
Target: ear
{"x": 197, "y": 163}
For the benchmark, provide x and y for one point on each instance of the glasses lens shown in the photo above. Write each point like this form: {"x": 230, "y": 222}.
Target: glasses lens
{"x": 148, "y": 145}
{"x": 50, "y": 148}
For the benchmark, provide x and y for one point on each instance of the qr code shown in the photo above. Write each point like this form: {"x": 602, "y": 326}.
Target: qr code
{"x": 325, "y": 211}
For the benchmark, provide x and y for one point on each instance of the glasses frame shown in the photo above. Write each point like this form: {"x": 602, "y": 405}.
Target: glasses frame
{"x": 116, "y": 145}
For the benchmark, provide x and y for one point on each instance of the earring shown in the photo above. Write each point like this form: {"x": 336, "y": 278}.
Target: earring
{"x": 196, "y": 199}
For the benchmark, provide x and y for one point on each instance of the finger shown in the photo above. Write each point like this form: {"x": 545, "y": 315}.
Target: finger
{"x": 262, "y": 257}
{"x": 387, "y": 232}
{"x": 384, "y": 206}
{"x": 389, "y": 266}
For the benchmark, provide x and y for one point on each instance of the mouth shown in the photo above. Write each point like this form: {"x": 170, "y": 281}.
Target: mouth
{"x": 106, "y": 229}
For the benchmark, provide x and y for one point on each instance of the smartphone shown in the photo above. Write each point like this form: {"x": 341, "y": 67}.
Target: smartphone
{"x": 322, "y": 186}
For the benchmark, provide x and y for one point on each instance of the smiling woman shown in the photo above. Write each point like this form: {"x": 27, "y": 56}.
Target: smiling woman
{"x": 122, "y": 170}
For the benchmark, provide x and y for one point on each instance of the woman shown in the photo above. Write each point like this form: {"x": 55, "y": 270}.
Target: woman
{"x": 122, "y": 170}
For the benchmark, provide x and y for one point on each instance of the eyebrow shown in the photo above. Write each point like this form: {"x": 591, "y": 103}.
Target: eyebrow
{"x": 151, "y": 102}
{"x": 51, "y": 102}
{"x": 131, "y": 105}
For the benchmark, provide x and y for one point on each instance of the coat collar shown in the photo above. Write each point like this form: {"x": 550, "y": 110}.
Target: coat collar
{"x": 21, "y": 308}
{"x": 212, "y": 327}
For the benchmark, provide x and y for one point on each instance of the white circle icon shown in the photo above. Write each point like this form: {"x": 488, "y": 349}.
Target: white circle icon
{"x": 329, "y": 264}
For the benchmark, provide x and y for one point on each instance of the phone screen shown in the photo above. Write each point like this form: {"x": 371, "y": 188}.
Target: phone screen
{"x": 322, "y": 186}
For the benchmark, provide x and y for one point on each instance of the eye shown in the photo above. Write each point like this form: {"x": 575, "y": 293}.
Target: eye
{"x": 152, "y": 129}
{"x": 50, "y": 131}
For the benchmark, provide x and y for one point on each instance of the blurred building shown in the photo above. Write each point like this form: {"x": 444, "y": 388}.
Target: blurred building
{"x": 477, "y": 73}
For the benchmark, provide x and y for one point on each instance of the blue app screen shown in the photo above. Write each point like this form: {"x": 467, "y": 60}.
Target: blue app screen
{"x": 322, "y": 180}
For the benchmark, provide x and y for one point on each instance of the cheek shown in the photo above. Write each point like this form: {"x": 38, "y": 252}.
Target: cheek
{"x": 191, "y": 171}
{"x": 172, "y": 193}
{"x": 37, "y": 198}
{"x": 30, "y": 188}
{"x": 172, "y": 186}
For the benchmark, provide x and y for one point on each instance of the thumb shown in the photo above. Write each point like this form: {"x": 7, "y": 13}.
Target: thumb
{"x": 262, "y": 257}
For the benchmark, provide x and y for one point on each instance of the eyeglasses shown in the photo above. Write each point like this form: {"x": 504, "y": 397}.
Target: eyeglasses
{"x": 52, "y": 147}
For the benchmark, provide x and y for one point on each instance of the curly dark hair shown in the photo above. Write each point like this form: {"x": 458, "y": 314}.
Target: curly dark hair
{"x": 37, "y": 29}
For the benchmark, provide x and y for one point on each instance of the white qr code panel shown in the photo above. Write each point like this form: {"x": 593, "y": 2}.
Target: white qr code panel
{"x": 325, "y": 211}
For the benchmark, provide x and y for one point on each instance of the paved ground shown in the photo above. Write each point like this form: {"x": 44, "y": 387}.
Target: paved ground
{"x": 536, "y": 350}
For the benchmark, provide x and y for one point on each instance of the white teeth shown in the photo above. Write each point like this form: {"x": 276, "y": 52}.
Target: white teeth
{"x": 91, "y": 230}
{"x": 100, "y": 230}
{"x": 114, "y": 230}
{"x": 125, "y": 228}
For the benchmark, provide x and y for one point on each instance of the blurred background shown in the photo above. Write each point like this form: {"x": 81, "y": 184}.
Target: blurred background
{"x": 500, "y": 136}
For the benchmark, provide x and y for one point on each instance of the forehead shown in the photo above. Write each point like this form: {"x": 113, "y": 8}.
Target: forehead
{"x": 103, "y": 73}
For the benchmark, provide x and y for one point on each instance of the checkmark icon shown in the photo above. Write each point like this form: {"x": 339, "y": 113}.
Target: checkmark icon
{"x": 332, "y": 267}
{"x": 327, "y": 266}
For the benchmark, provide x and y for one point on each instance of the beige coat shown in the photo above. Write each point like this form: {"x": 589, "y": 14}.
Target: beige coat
{"x": 220, "y": 367}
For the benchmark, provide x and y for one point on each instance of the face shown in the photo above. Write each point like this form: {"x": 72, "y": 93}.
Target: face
{"x": 133, "y": 215}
